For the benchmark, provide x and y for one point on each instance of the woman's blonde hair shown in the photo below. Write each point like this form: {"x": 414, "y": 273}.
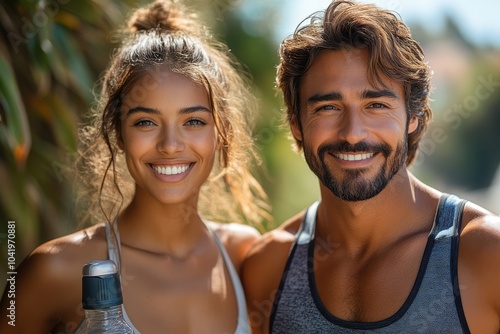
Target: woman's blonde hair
{"x": 164, "y": 35}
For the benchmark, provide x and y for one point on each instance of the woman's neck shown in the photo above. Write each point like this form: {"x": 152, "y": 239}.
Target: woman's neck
{"x": 161, "y": 228}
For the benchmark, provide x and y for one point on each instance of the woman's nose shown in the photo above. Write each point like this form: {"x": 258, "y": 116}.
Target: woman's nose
{"x": 170, "y": 140}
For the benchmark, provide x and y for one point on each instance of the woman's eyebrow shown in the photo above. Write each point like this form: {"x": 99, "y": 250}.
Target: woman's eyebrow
{"x": 143, "y": 109}
{"x": 155, "y": 111}
{"x": 189, "y": 110}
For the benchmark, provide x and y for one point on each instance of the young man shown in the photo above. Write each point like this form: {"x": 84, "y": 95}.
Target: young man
{"x": 381, "y": 251}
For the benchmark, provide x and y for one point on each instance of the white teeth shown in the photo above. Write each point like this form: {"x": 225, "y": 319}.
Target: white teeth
{"x": 354, "y": 157}
{"x": 171, "y": 170}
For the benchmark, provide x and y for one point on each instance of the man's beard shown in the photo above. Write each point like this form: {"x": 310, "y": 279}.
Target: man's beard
{"x": 355, "y": 186}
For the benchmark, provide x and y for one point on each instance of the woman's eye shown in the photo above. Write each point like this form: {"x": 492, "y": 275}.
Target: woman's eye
{"x": 143, "y": 123}
{"x": 195, "y": 122}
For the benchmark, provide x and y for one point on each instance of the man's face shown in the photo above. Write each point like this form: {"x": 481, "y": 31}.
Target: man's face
{"x": 354, "y": 135}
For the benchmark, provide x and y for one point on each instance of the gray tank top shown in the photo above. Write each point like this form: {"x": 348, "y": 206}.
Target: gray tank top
{"x": 433, "y": 305}
{"x": 242, "y": 326}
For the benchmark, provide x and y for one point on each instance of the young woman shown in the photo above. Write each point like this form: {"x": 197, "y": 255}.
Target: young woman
{"x": 169, "y": 148}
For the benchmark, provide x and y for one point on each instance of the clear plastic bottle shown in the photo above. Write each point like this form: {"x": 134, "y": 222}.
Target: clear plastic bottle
{"x": 102, "y": 300}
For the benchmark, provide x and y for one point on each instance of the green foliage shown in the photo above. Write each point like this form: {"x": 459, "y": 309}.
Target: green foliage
{"x": 469, "y": 157}
{"x": 465, "y": 105}
{"x": 51, "y": 53}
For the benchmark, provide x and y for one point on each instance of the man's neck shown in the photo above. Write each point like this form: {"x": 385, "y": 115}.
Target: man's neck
{"x": 401, "y": 209}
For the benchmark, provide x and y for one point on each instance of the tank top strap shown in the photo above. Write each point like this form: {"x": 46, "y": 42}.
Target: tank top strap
{"x": 447, "y": 221}
{"x": 448, "y": 217}
{"x": 297, "y": 307}
{"x": 446, "y": 233}
{"x": 113, "y": 241}
{"x": 242, "y": 327}
{"x": 308, "y": 226}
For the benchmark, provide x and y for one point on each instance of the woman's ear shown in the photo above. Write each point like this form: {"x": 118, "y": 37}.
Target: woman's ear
{"x": 119, "y": 140}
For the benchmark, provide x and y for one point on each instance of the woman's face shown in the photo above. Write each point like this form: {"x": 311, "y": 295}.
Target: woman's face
{"x": 168, "y": 136}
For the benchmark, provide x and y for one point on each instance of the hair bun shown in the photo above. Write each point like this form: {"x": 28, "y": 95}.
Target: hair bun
{"x": 164, "y": 15}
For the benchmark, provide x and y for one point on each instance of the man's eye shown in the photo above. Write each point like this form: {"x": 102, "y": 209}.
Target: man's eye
{"x": 378, "y": 105}
{"x": 326, "y": 107}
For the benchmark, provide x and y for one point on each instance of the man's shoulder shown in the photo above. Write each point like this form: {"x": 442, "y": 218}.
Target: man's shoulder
{"x": 479, "y": 272}
{"x": 268, "y": 256}
{"x": 480, "y": 230}
{"x": 480, "y": 241}
{"x": 263, "y": 269}
{"x": 477, "y": 217}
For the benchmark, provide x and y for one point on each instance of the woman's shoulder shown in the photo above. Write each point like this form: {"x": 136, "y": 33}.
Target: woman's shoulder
{"x": 63, "y": 245}
{"x": 48, "y": 280}
{"x": 237, "y": 239}
{"x": 233, "y": 230}
{"x": 58, "y": 256}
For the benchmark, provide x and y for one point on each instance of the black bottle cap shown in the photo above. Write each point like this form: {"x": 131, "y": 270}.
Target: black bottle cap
{"x": 101, "y": 285}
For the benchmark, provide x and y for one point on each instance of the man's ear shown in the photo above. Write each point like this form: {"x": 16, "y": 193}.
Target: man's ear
{"x": 295, "y": 128}
{"x": 413, "y": 124}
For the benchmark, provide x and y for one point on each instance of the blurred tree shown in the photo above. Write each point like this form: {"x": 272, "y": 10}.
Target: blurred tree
{"x": 465, "y": 112}
{"x": 51, "y": 53}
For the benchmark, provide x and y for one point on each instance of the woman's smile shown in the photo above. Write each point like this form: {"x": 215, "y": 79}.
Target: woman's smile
{"x": 171, "y": 170}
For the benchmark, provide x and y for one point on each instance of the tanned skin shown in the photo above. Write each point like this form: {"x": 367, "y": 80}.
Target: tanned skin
{"x": 367, "y": 253}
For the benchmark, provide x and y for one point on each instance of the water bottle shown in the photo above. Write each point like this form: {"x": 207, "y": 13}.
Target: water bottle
{"x": 102, "y": 300}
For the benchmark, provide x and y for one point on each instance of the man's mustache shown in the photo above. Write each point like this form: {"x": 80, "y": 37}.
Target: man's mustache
{"x": 344, "y": 147}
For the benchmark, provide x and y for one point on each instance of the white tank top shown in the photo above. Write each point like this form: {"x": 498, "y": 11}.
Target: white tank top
{"x": 242, "y": 326}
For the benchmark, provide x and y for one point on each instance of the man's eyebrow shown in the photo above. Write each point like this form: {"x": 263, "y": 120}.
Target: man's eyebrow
{"x": 333, "y": 96}
{"x": 373, "y": 94}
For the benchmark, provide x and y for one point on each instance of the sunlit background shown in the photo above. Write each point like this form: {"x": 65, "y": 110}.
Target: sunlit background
{"x": 461, "y": 40}
{"x": 460, "y": 152}
{"x": 52, "y": 52}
